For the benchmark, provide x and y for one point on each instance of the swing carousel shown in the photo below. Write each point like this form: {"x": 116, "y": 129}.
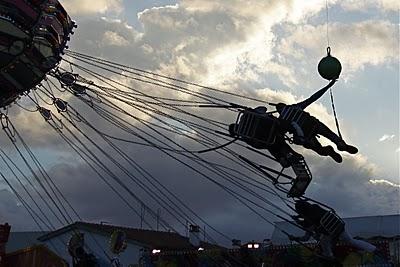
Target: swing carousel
{"x": 83, "y": 98}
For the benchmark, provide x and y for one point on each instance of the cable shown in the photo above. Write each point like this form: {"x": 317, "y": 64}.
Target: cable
{"x": 105, "y": 80}
{"x": 150, "y": 81}
{"x": 30, "y": 211}
{"x": 327, "y": 22}
{"x": 120, "y": 99}
{"x": 98, "y": 60}
{"x": 166, "y": 152}
{"x": 41, "y": 184}
{"x": 142, "y": 171}
{"x": 335, "y": 115}
{"x": 48, "y": 224}
{"x": 61, "y": 209}
{"x": 127, "y": 114}
{"x": 170, "y": 117}
{"x": 153, "y": 103}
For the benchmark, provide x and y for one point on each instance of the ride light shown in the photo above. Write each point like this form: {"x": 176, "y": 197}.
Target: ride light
{"x": 253, "y": 245}
{"x": 155, "y": 251}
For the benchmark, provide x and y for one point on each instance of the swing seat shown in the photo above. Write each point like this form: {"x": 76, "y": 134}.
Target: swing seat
{"x": 256, "y": 127}
{"x": 332, "y": 224}
{"x": 299, "y": 187}
{"x": 302, "y": 180}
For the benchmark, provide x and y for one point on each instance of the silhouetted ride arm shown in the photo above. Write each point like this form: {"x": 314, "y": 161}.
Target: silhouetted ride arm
{"x": 305, "y": 103}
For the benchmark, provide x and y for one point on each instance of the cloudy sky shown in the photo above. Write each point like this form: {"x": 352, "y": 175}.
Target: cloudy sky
{"x": 266, "y": 49}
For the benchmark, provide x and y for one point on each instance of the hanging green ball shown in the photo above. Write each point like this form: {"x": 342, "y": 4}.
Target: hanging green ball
{"x": 329, "y": 67}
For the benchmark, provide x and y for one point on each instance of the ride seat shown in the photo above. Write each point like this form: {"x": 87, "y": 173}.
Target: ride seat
{"x": 302, "y": 180}
{"x": 332, "y": 224}
{"x": 256, "y": 127}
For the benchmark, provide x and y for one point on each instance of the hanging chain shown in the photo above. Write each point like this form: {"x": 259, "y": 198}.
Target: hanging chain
{"x": 327, "y": 22}
{"x": 335, "y": 115}
{"x": 328, "y": 50}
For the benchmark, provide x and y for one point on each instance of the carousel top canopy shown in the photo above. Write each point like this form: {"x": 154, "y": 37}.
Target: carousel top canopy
{"x": 33, "y": 36}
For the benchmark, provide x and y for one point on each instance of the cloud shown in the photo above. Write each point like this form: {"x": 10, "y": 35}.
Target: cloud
{"x": 385, "y": 182}
{"x": 362, "y": 5}
{"x": 112, "y": 38}
{"x": 258, "y": 9}
{"x": 372, "y": 42}
{"x": 226, "y": 43}
{"x": 386, "y": 137}
{"x": 354, "y": 182}
{"x": 88, "y": 7}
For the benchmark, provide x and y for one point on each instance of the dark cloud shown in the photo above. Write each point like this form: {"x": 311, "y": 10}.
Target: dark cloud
{"x": 348, "y": 189}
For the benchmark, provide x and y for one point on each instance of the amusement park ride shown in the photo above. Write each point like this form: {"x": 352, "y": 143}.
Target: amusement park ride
{"x": 33, "y": 41}
{"x": 34, "y": 35}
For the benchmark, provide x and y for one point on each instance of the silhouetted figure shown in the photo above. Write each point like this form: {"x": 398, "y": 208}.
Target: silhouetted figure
{"x": 326, "y": 227}
{"x": 264, "y": 125}
{"x": 305, "y": 127}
